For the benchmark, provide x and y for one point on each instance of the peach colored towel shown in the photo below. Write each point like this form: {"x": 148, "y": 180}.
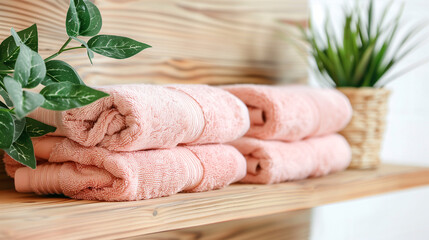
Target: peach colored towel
{"x": 137, "y": 117}
{"x": 291, "y": 113}
{"x": 274, "y": 161}
{"x": 98, "y": 174}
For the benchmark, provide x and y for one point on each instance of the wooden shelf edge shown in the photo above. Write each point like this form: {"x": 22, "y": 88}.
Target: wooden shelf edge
{"x": 27, "y": 215}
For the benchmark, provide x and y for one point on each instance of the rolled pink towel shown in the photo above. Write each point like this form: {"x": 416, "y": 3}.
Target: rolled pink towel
{"x": 291, "y": 113}
{"x": 137, "y": 117}
{"x": 274, "y": 161}
{"x": 95, "y": 173}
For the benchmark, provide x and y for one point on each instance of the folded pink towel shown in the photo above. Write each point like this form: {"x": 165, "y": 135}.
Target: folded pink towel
{"x": 137, "y": 117}
{"x": 99, "y": 174}
{"x": 291, "y": 113}
{"x": 274, "y": 161}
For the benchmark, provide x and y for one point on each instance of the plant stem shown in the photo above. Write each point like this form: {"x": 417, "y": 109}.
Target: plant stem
{"x": 62, "y": 49}
{"x": 6, "y": 71}
{"x": 68, "y": 49}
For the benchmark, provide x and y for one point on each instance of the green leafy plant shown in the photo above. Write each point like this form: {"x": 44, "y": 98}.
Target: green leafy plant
{"x": 365, "y": 52}
{"x": 21, "y": 67}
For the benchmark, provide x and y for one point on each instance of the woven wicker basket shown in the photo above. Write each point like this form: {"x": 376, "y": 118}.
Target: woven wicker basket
{"x": 366, "y": 128}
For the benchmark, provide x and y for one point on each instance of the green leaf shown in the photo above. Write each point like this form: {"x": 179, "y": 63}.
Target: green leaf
{"x": 72, "y": 20}
{"x": 3, "y": 92}
{"x": 22, "y": 151}
{"x": 64, "y": 96}
{"x": 88, "y": 50}
{"x": 383, "y": 17}
{"x": 31, "y": 101}
{"x": 6, "y": 129}
{"x": 19, "y": 126}
{"x": 23, "y": 101}
{"x": 59, "y": 71}
{"x": 4, "y": 67}
{"x": 116, "y": 46}
{"x": 2, "y": 105}
{"x": 13, "y": 88}
{"x": 370, "y": 16}
{"x": 89, "y": 18}
{"x": 333, "y": 56}
{"x": 30, "y": 68}
{"x": 16, "y": 37}
{"x": 361, "y": 68}
{"x": 5, "y": 96}
{"x": 9, "y": 49}
{"x": 35, "y": 128}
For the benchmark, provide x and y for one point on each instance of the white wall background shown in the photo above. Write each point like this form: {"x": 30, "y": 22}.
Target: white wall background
{"x": 401, "y": 215}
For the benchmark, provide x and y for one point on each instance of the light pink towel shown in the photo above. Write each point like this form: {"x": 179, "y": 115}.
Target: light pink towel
{"x": 274, "y": 161}
{"x": 137, "y": 117}
{"x": 291, "y": 113}
{"x": 99, "y": 174}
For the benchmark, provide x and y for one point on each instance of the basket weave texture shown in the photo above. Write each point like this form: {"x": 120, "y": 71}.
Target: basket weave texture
{"x": 366, "y": 128}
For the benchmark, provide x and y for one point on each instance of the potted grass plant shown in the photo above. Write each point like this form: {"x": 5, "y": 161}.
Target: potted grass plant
{"x": 356, "y": 62}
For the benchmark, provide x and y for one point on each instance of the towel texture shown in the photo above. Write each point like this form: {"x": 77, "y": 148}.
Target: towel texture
{"x": 94, "y": 173}
{"x": 291, "y": 113}
{"x": 137, "y": 117}
{"x": 274, "y": 161}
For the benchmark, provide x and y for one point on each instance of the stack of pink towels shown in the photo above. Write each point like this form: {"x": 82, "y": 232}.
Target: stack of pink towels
{"x": 293, "y": 132}
{"x": 148, "y": 141}
{"x": 141, "y": 142}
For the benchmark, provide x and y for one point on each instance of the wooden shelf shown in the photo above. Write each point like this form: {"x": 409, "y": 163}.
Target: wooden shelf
{"x": 27, "y": 216}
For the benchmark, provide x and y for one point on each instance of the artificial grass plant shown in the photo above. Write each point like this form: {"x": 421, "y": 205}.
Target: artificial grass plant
{"x": 367, "y": 49}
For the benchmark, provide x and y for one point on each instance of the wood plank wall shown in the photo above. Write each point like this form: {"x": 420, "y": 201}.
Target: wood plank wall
{"x": 194, "y": 41}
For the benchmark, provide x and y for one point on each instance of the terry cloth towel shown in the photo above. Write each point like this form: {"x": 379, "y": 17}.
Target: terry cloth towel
{"x": 137, "y": 117}
{"x": 274, "y": 161}
{"x": 65, "y": 167}
{"x": 291, "y": 113}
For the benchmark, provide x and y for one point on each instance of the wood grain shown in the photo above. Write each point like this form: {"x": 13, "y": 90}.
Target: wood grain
{"x": 293, "y": 225}
{"x": 26, "y": 216}
{"x": 194, "y": 41}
